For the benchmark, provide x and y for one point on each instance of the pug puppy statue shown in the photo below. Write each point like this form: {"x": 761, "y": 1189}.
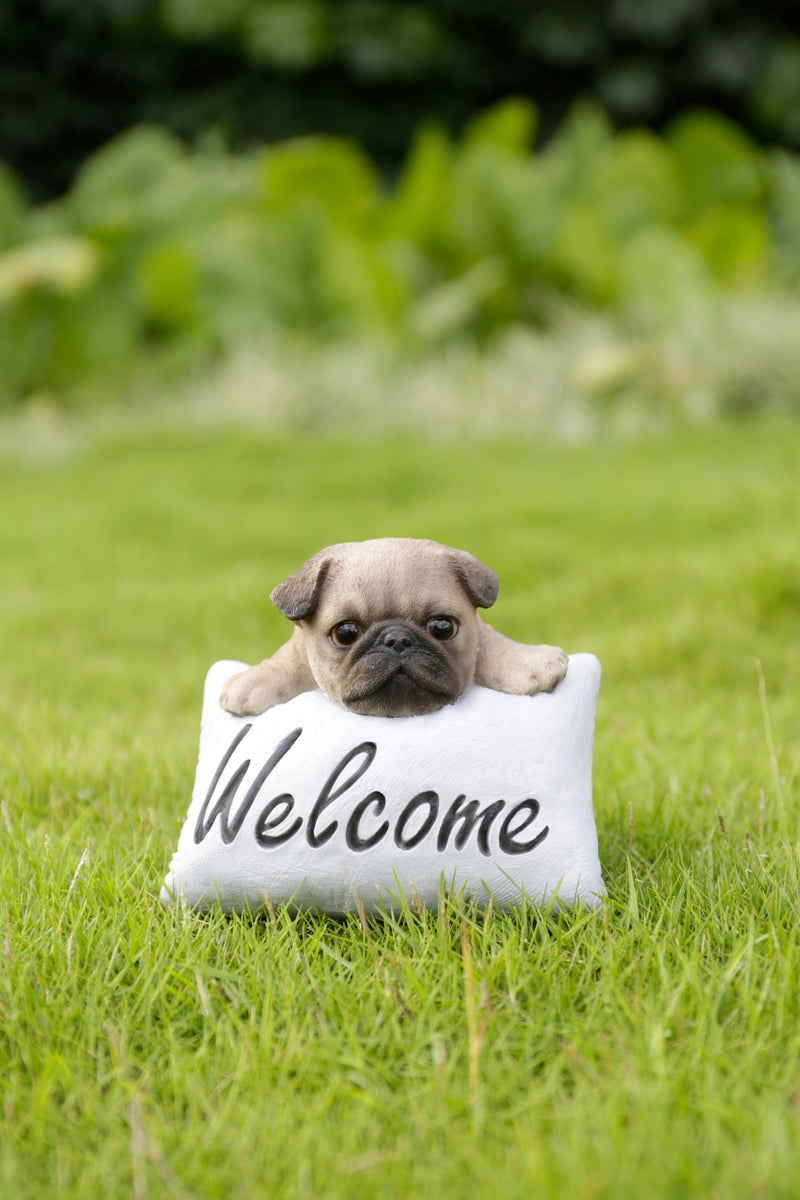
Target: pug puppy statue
{"x": 388, "y": 628}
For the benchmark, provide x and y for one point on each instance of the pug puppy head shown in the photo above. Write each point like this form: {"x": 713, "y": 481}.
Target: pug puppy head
{"x": 390, "y": 627}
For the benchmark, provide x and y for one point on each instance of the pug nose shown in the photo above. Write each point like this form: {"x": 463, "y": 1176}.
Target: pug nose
{"x": 397, "y": 639}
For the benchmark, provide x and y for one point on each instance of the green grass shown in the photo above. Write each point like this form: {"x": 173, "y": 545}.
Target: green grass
{"x": 652, "y": 1049}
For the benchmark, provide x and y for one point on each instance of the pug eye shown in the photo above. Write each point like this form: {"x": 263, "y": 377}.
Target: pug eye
{"x": 442, "y": 628}
{"x": 345, "y": 633}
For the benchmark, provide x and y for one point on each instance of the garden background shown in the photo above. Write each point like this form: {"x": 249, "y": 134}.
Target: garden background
{"x": 276, "y": 274}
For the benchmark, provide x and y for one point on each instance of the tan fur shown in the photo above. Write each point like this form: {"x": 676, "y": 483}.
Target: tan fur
{"x": 391, "y": 588}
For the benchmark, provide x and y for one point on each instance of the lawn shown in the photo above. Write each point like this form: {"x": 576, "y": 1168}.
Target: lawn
{"x": 651, "y": 1049}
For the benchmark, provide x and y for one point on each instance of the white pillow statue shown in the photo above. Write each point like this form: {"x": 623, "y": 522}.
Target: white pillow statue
{"x": 315, "y": 806}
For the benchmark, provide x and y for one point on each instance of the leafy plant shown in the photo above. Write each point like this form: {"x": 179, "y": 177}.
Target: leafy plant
{"x": 161, "y": 259}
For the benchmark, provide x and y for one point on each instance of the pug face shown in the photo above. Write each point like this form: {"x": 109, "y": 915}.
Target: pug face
{"x": 389, "y": 626}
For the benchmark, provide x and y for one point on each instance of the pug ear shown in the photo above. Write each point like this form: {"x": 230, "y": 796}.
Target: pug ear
{"x": 479, "y": 581}
{"x": 297, "y": 596}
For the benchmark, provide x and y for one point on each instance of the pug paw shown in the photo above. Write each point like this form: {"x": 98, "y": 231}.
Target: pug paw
{"x": 544, "y": 667}
{"x": 244, "y": 696}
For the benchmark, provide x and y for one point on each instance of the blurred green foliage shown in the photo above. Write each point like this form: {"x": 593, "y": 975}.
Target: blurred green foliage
{"x": 73, "y": 75}
{"x": 171, "y": 256}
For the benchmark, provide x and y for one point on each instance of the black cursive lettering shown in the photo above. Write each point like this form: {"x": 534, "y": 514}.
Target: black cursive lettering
{"x": 469, "y": 816}
{"x": 267, "y": 822}
{"x": 422, "y": 798}
{"x": 508, "y": 836}
{"x": 279, "y": 821}
{"x": 352, "y": 835}
{"x": 229, "y": 828}
{"x": 327, "y": 796}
